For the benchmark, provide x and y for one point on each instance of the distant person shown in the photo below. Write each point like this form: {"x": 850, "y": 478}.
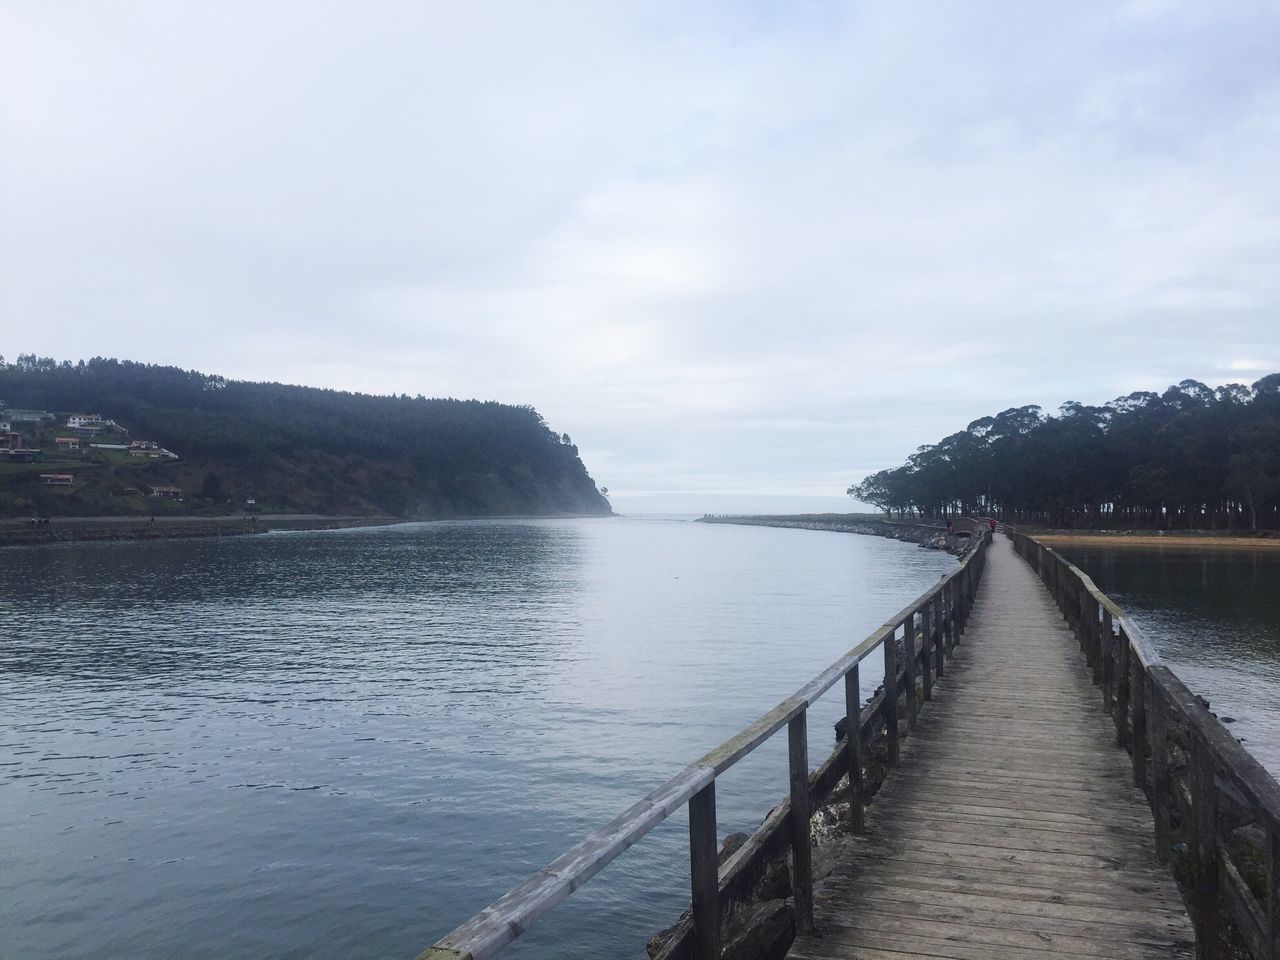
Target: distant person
{"x": 951, "y": 526}
{"x": 991, "y": 522}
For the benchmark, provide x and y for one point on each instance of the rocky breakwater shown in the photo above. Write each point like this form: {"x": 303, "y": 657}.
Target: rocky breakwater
{"x": 65, "y": 529}
{"x": 930, "y": 536}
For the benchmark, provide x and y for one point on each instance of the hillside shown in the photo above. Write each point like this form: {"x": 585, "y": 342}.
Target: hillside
{"x": 173, "y": 441}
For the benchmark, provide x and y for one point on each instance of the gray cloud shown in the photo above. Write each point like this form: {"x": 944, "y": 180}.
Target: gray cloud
{"x": 731, "y": 250}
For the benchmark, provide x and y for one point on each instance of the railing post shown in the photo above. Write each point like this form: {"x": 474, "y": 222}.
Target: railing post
{"x": 1124, "y": 684}
{"x": 1161, "y": 798}
{"x": 853, "y": 740}
{"x": 926, "y": 652}
{"x": 1107, "y": 640}
{"x": 704, "y": 870}
{"x": 890, "y": 707}
{"x": 909, "y": 670}
{"x": 1139, "y": 685}
{"x": 801, "y": 853}
{"x": 1273, "y": 905}
{"x": 1204, "y": 816}
{"x": 1104, "y": 658}
{"x": 939, "y": 644}
{"x": 949, "y": 614}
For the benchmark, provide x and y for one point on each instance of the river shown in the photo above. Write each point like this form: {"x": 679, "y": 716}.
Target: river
{"x": 344, "y": 743}
{"x": 1214, "y": 616}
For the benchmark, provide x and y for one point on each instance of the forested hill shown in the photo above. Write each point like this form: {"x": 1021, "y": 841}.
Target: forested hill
{"x": 221, "y": 443}
{"x": 1190, "y": 457}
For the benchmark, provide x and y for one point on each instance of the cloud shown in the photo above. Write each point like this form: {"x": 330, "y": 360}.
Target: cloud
{"x": 725, "y": 247}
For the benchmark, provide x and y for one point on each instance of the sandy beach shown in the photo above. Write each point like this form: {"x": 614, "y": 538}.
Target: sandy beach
{"x": 1146, "y": 541}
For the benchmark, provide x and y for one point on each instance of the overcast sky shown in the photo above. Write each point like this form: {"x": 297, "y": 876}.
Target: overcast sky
{"x": 736, "y": 251}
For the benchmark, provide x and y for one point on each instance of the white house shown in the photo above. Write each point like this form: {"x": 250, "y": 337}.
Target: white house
{"x": 85, "y": 420}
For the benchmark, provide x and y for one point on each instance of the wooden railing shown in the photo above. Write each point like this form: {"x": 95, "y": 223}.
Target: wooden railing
{"x": 929, "y": 627}
{"x": 1216, "y": 809}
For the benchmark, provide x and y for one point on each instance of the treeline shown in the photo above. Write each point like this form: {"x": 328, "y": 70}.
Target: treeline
{"x": 327, "y": 451}
{"x": 1192, "y": 457}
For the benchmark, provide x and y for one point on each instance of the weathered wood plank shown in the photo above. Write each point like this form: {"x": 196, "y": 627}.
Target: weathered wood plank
{"x": 1011, "y": 826}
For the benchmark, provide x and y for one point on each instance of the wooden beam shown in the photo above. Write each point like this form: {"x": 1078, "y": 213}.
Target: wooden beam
{"x": 853, "y": 742}
{"x": 801, "y": 852}
{"x": 704, "y": 878}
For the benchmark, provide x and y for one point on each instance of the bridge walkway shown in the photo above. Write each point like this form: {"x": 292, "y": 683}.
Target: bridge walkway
{"x": 1011, "y": 827}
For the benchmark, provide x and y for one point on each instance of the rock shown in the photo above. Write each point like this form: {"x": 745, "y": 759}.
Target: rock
{"x": 732, "y": 844}
{"x": 761, "y": 931}
{"x": 1227, "y": 719}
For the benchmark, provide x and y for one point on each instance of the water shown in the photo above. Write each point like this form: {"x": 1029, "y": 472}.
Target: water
{"x": 342, "y": 744}
{"x": 1214, "y": 616}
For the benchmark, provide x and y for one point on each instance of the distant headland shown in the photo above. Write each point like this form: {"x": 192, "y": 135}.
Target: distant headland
{"x": 114, "y": 438}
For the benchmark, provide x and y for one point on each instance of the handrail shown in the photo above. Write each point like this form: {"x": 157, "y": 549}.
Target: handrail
{"x": 1204, "y": 787}
{"x": 941, "y": 613}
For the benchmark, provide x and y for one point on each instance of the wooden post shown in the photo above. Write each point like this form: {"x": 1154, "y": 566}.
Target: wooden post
{"x": 909, "y": 669}
{"x": 1204, "y": 815}
{"x": 939, "y": 644}
{"x": 1139, "y": 685}
{"x": 1161, "y": 795}
{"x": 704, "y": 870}
{"x": 1124, "y": 684}
{"x": 1103, "y": 651}
{"x": 1273, "y": 906}
{"x": 853, "y": 712}
{"x": 926, "y": 652}
{"x": 801, "y": 854}
{"x": 949, "y": 615}
{"x": 890, "y": 708}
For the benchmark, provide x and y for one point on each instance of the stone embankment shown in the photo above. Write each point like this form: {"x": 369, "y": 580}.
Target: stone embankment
{"x": 67, "y": 529}
{"x": 934, "y": 537}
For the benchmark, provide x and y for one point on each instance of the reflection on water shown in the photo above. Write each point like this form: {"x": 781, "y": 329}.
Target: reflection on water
{"x": 1214, "y": 615}
{"x": 343, "y": 743}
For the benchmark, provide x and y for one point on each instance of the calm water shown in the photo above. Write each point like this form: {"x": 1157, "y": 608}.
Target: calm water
{"x": 342, "y": 744}
{"x": 1215, "y": 618}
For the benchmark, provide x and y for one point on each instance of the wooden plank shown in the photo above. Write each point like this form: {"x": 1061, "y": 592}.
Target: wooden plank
{"x": 990, "y": 930}
{"x": 503, "y": 920}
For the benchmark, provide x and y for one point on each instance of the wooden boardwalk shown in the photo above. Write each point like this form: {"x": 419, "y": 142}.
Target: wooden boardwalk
{"x": 1011, "y": 827}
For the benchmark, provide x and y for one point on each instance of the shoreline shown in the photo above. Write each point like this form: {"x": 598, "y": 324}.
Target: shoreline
{"x": 1149, "y": 540}
{"x": 105, "y": 529}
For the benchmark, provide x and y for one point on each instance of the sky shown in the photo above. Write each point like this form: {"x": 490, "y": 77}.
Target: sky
{"x": 744, "y": 254}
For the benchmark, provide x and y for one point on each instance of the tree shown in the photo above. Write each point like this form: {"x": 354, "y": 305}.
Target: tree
{"x": 212, "y": 489}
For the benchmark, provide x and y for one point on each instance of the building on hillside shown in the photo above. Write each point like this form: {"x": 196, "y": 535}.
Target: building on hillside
{"x": 27, "y": 416}
{"x": 151, "y": 449}
{"x": 67, "y": 443}
{"x": 12, "y": 450}
{"x": 85, "y": 420}
{"x": 132, "y": 492}
{"x": 4, "y": 426}
{"x": 88, "y": 430}
{"x": 57, "y": 479}
{"x": 166, "y": 491}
